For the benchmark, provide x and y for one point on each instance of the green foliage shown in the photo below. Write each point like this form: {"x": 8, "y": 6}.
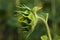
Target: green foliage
{"x": 27, "y": 19}
{"x": 26, "y": 13}
{"x": 30, "y": 17}
{"x": 44, "y": 37}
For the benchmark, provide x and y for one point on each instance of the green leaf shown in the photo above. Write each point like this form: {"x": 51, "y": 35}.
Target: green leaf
{"x": 44, "y": 37}
{"x": 36, "y": 8}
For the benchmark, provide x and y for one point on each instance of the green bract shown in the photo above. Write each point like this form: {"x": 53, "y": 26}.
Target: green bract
{"x": 27, "y": 19}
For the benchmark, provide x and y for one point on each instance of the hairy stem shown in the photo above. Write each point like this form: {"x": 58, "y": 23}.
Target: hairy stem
{"x": 48, "y": 30}
{"x": 47, "y": 27}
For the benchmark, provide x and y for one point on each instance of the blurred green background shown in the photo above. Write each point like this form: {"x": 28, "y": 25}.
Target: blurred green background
{"x": 10, "y": 27}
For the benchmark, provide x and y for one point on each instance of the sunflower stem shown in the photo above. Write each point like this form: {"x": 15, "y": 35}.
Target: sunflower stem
{"x": 47, "y": 27}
